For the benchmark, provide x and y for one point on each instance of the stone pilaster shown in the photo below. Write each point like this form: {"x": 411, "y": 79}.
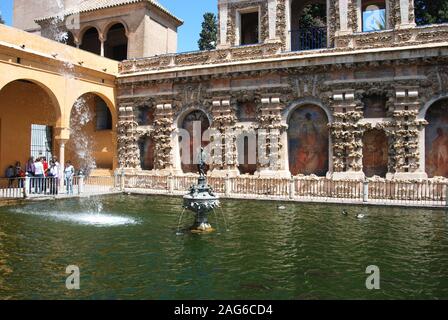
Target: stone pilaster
{"x": 223, "y": 139}
{"x": 405, "y": 14}
{"x": 346, "y": 134}
{"x": 128, "y": 150}
{"x": 163, "y": 129}
{"x": 407, "y": 129}
{"x": 270, "y": 130}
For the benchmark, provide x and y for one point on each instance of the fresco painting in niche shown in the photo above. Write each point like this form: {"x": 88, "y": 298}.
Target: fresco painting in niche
{"x": 201, "y": 119}
{"x": 247, "y": 112}
{"x": 375, "y": 153}
{"x": 146, "y": 146}
{"x": 436, "y": 137}
{"x": 308, "y": 141}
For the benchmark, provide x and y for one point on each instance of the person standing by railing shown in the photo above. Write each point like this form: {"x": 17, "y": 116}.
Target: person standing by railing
{"x": 20, "y": 174}
{"x": 9, "y": 174}
{"x": 39, "y": 174}
{"x": 53, "y": 174}
{"x": 30, "y": 171}
{"x": 69, "y": 172}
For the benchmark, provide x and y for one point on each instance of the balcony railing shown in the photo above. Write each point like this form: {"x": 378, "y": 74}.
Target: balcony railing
{"x": 309, "y": 39}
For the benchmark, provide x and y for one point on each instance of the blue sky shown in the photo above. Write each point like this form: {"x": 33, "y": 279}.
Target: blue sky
{"x": 189, "y": 11}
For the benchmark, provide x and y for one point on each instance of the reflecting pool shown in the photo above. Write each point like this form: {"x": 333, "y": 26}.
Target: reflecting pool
{"x": 127, "y": 247}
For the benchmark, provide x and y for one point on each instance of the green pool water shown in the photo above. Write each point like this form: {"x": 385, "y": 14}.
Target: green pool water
{"x": 127, "y": 248}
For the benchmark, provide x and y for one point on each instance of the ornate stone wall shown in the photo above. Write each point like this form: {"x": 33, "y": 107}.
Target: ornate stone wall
{"x": 407, "y": 83}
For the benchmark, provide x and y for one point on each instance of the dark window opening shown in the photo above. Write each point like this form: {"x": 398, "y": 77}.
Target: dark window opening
{"x": 103, "y": 115}
{"x": 91, "y": 41}
{"x": 116, "y": 45}
{"x": 375, "y": 106}
{"x": 308, "y": 25}
{"x": 373, "y": 15}
{"x": 249, "y": 28}
{"x": 145, "y": 116}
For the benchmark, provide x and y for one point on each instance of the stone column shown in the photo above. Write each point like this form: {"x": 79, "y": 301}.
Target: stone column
{"x": 224, "y": 160}
{"x": 102, "y": 40}
{"x": 163, "y": 129}
{"x": 406, "y": 142}
{"x": 406, "y": 15}
{"x": 128, "y": 150}
{"x": 62, "y": 135}
{"x": 270, "y": 139}
{"x": 347, "y": 133}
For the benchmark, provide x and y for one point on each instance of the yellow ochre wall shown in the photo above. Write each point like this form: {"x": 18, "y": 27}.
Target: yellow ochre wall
{"x": 21, "y": 104}
{"x": 57, "y": 75}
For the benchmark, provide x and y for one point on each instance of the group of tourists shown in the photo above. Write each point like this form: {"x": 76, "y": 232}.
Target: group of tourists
{"x": 45, "y": 176}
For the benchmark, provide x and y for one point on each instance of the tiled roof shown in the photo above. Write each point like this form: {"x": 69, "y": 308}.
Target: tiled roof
{"x": 92, "y": 5}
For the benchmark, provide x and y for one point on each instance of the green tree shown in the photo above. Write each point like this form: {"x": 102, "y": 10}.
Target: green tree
{"x": 430, "y": 11}
{"x": 313, "y": 16}
{"x": 209, "y": 34}
{"x": 1, "y": 19}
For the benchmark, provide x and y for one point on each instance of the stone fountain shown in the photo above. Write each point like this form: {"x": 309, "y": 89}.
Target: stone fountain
{"x": 201, "y": 200}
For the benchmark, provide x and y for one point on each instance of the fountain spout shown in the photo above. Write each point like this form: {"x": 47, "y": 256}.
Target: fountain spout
{"x": 201, "y": 200}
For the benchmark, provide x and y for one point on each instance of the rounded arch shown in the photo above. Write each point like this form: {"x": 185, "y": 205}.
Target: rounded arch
{"x": 182, "y": 115}
{"x": 92, "y": 139}
{"x": 309, "y": 148}
{"x": 70, "y": 41}
{"x": 116, "y": 42}
{"x": 110, "y": 24}
{"x": 30, "y": 117}
{"x": 89, "y": 40}
{"x": 187, "y": 141}
{"x": 46, "y": 89}
{"x": 305, "y": 101}
{"x": 109, "y": 103}
{"x": 427, "y": 105}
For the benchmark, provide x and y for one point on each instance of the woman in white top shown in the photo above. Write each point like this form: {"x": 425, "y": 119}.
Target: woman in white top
{"x": 39, "y": 175}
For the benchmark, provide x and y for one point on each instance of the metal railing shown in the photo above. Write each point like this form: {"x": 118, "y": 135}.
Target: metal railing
{"x": 33, "y": 187}
{"x": 426, "y": 193}
{"x": 309, "y": 38}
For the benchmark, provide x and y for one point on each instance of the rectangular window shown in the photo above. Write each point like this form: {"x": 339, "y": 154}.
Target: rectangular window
{"x": 373, "y": 16}
{"x": 41, "y": 141}
{"x": 249, "y": 28}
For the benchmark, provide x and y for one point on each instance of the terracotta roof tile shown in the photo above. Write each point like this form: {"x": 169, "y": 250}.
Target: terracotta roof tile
{"x": 92, "y": 5}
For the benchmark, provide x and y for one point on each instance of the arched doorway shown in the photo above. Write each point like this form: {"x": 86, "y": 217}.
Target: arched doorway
{"x": 91, "y": 137}
{"x": 308, "y": 141}
{"x": 308, "y": 24}
{"x": 146, "y": 146}
{"x": 375, "y": 153}
{"x": 70, "y": 40}
{"x": 436, "y": 139}
{"x": 195, "y": 123}
{"x": 91, "y": 41}
{"x": 116, "y": 45}
{"x": 247, "y": 147}
{"x": 29, "y": 112}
